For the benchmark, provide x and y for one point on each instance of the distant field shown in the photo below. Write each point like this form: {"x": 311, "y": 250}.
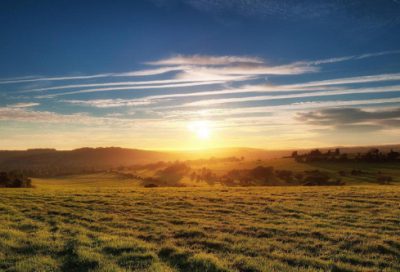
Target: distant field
{"x": 113, "y": 180}
{"x": 100, "y": 180}
{"x": 200, "y": 229}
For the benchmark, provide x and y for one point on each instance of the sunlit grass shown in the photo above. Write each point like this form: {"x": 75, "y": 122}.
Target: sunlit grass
{"x": 201, "y": 229}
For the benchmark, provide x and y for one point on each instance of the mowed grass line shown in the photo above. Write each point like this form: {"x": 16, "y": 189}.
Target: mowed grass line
{"x": 201, "y": 229}
{"x": 98, "y": 180}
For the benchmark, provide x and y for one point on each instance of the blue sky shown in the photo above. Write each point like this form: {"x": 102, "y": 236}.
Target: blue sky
{"x": 192, "y": 74}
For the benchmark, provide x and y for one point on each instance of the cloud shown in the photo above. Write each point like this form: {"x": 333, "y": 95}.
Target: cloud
{"x": 115, "y": 114}
{"x": 349, "y": 80}
{"x": 205, "y": 60}
{"x": 134, "y": 83}
{"x": 111, "y": 103}
{"x": 151, "y": 72}
{"x": 54, "y": 78}
{"x": 19, "y": 78}
{"x": 343, "y": 117}
{"x": 23, "y": 105}
{"x": 269, "y": 109}
{"x": 232, "y": 65}
{"x": 301, "y": 95}
{"x": 82, "y": 118}
{"x": 378, "y": 54}
{"x": 136, "y": 88}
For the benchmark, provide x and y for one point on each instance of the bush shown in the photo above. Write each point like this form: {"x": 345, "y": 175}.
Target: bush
{"x": 355, "y": 172}
{"x": 384, "y": 180}
{"x": 299, "y": 177}
{"x": 14, "y": 179}
{"x": 261, "y": 172}
{"x": 151, "y": 185}
{"x": 342, "y": 173}
{"x": 316, "y": 179}
{"x": 284, "y": 175}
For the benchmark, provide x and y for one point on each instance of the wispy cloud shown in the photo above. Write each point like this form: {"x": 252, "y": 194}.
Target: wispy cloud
{"x": 339, "y": 117}
{"x": 273, "y": 97}
{"x": 205, "y": 60}
{"x": 111, "y": 103}
{"x": 350, "y": 80}
{"x": 23, "y": 105}
{"x": 151, "y": 72}
{"x": 54, "y": 78}
{"x": 274, "y": 109}
{"x": 135, "y": 88}
{"x": 379, "y": 54}
{"x": 134, "y": 83}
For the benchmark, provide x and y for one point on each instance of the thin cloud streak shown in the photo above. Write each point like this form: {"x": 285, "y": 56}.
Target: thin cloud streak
{"x": 111, "y": 103}
{"x": 245, "y": 89}
{"x": 135, "y": 88}
{"x": 379, "y": 54}
{"x": 133, "y": 83}
{"x": 293, "y": 106}
{"x": 350, "y": 80}
{"x": 272, "y": 97}
{"x": 23, "y": 105}
{"x": 55, "y": 78}
{"x": 205, "y": 60}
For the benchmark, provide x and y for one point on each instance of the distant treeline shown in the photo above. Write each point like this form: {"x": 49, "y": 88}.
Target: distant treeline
{"x": 267, "y": 176}
{"x": 162, "y": 164}
{"x": 373, "y": 155}
{"x": 54, "y": 171}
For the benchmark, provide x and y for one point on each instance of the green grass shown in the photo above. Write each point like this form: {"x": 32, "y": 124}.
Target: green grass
{"x": 94, "y": 228}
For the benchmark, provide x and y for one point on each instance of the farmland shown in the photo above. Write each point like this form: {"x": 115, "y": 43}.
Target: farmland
{"x": 107, "y": 221}
{"x": 351, "y": 228}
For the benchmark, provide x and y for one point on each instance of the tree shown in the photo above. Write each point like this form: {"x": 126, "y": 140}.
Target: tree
{"x": 299, "y": 176}
{"x": 337, "y": 152}
{"x": 294, "y": 154}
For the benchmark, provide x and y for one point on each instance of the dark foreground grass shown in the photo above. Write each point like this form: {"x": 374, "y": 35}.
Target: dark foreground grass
{"x": 193, "y": 229}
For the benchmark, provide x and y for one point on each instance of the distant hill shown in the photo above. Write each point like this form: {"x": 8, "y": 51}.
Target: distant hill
{"x": 112, "y": 156}
{"x": 115, "y": 156}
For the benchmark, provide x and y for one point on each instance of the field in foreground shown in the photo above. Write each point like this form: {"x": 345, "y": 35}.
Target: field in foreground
{"x": 201, "y": 229}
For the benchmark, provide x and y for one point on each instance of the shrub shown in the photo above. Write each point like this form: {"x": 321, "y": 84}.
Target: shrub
{"x": 284, "y": 175}
{"x": 356, "y": 172}
{"x": 316, "y": 179}
{"x": 261, "y": 172}
{"x": 299, "y": 177}
{"x": 151, "y": 185}
{"x": 384, "y": 179}
{"x": 14, "y": 179}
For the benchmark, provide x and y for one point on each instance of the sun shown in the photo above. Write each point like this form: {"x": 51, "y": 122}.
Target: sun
{"x": 202, "y": 128}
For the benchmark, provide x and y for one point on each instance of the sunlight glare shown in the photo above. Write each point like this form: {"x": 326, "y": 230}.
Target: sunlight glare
{"x": 202, "y": 128}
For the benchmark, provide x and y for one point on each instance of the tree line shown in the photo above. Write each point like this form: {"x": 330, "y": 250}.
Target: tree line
{"x": 373, "y": 155}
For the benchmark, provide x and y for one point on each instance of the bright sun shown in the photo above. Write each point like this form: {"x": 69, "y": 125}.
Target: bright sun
{"x": 202, "y": 128}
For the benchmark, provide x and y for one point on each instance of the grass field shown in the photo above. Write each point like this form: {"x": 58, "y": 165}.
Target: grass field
{"x": 351, "y": 228}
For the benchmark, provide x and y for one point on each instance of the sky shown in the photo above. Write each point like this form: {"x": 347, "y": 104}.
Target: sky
{"x": 187, "y": 74}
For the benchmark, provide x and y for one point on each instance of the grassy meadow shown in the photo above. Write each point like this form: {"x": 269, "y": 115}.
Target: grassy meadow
{"x": 107, "y": 222}
{"x": 351, "y": 228}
